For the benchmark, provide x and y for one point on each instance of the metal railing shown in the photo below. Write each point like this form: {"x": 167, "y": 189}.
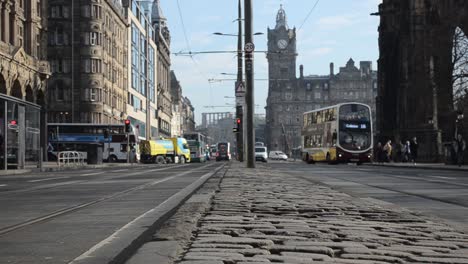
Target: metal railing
{"x": 70, "y": 158}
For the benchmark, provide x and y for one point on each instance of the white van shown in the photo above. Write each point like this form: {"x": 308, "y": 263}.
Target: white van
{"x": 278, "y": 155}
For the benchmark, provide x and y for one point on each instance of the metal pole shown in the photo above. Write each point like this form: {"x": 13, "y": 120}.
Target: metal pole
{"x": 241, "y": 101}
{"x": 128, "y": 147}
{"x": 249, "y": 94}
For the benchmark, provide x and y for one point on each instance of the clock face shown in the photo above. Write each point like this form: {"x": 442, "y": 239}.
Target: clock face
{"x": 282, "y": 43}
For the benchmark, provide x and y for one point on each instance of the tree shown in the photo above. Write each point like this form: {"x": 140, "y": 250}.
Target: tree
{"x": 460, "y": 69}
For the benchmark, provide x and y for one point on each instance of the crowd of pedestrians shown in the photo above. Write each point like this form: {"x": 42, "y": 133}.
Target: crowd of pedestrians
{"x": 400, "y": 152}
{"x": 408, "y": 151}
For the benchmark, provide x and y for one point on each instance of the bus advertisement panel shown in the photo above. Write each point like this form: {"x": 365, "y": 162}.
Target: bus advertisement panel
{"x": 340, "y": 133}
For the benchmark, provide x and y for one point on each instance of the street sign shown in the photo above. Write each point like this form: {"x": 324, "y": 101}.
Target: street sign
{"x": 249, "y": 47}
{"x": 240, "y": 89}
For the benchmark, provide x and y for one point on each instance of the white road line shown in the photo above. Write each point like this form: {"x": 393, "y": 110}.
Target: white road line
{"x": 443, "y": 177}
{"x": 94, "y": 173}
{"x": 48, "y": 179}
{"x": 118, "y": 233}
{"x": 3, "y": 185}
{"x": 119, "y": 170}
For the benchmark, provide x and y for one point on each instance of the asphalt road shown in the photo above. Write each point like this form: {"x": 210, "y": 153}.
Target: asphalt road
{"x": 55, "y": 217}
{"x": 435, "y": 193}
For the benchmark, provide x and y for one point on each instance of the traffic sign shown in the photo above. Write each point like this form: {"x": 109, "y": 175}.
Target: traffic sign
{"x": 240, "y": 89}
{"x": 249, "y": 47}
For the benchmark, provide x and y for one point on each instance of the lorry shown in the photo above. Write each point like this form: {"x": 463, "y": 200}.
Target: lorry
{"x": 171, "y": 150}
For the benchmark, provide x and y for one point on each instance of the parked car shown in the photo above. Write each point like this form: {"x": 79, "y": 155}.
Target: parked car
{"x": 278, "y": 155}
{"x": 261, "y": 154}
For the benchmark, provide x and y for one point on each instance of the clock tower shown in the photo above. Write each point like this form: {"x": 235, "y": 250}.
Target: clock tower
{"x": 282, "y": 82}
{"x": 281, "y": 49}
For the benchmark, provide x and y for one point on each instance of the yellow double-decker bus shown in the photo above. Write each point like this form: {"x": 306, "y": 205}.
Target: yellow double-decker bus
{"x": 339, "y": 133}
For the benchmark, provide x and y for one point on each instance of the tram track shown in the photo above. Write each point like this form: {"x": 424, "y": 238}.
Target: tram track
{"x": 81, "y": 206}
{"x": 61, "y": 184}
{"x": 409, "y": 193}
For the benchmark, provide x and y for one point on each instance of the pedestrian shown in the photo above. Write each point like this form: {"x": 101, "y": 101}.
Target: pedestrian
{"x": 378, "y": 152}
{"x": 387, "y": 149}
{"x": 407, "y": 152}
{"x": 50, "y": 153}
{"x": 398, "y": 152}
{"x": 460, "y": 147}
{"x": 414, "y": 149}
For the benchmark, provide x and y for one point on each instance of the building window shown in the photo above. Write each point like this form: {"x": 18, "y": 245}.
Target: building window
{"x": 20, "y": 35}
{"x": 96, "y": 11}
{"x": 94, "y": 38}
{"x": 308, "y": 87}
{"x": 317, "y": 95}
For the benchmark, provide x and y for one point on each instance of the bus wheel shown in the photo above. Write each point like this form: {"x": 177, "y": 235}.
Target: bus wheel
{"x": 160, "y": 160}
{"x": 182, "y": 159}
{"x": 113, "y": 158}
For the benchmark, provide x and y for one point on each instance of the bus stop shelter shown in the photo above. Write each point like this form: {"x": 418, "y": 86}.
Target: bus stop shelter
{"x": 19, "y": 133}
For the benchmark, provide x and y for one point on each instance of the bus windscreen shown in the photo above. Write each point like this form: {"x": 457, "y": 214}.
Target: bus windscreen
{"x": 355, "y": 127}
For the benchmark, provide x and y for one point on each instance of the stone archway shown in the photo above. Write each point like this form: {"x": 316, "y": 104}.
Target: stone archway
{"x": 29, "y": 94}
{"x": 16, "y": 90}
{"x": 3, "y": 89}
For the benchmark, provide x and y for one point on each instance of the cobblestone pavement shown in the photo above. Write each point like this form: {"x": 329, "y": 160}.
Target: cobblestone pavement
{"x": 262, "y": 216}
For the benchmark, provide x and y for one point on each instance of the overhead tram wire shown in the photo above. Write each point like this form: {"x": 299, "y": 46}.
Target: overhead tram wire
{"x": 308, "y": 15}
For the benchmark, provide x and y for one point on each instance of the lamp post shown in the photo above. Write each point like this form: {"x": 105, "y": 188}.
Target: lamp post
{"x": 249, "y": 72}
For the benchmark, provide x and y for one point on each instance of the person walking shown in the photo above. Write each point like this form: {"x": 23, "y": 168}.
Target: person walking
{"x": 414, "y": 149}
{"x": 460, "y": 147}
{"x": 387, "y": 149}
{"x": 407, "y": 152}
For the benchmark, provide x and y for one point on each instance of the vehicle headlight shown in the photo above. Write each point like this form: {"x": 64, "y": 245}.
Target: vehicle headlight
{"x": 339, "y": 155}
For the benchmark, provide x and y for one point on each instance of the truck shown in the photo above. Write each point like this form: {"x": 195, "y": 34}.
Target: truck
{"x": 161, "y": 151}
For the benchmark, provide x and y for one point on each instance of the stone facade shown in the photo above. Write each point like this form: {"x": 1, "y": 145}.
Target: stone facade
{"x": 23, "y": 57}
{"x": 415, "y": 71}
{"x": 187, "y": 115}
{"x": 289, "y": 97}
{"x": 142, "y": 56}
{"x": 88, "y": 55}
{"x": 183, "y": 113}
{"x": 163, "y": 65}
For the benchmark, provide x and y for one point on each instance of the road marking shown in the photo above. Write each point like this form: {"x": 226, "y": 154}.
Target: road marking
{"x": 119, "y": 170}
{"x": 117, "y": 234}
{"x": 3, "y": 185}
{"x": 48, "y": 179}
{"x": 443, "y": 177}
{"x": 94, "y": 173}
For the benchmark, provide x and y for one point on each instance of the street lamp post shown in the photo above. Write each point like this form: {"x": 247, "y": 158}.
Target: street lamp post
{"x": 249, "y": 95}
{"x": 239, "y": 100}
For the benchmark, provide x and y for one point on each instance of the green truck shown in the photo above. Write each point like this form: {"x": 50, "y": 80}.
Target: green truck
{"x": 171, "y": 150}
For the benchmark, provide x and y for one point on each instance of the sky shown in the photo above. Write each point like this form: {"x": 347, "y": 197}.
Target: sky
{"x": 333, "y": 31}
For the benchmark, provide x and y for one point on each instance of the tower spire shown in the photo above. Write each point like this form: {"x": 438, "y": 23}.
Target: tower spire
{"x": 281, "y": 18}
{"x": 157, "y": 16}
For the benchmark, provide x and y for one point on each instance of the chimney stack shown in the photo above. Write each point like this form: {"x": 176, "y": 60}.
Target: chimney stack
{"x": 332, "y": 69}
{"x": 301, "y": 71}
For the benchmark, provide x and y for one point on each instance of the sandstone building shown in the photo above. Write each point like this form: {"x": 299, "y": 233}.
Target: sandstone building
{"x": 163, "y": 65}
{"x": 23, "y": 73}
{"x": 289, "y": 96}
{"x": 88, "y": 54}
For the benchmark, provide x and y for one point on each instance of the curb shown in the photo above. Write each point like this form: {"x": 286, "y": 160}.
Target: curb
{"x": 121, "y": 245}
{"x": 417, "y": 167}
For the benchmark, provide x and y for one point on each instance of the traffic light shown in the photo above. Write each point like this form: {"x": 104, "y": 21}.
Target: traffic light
{"x": 13, "y": 122}
{"x": 128, "y": 128}
{"x": 239, "y": 123}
